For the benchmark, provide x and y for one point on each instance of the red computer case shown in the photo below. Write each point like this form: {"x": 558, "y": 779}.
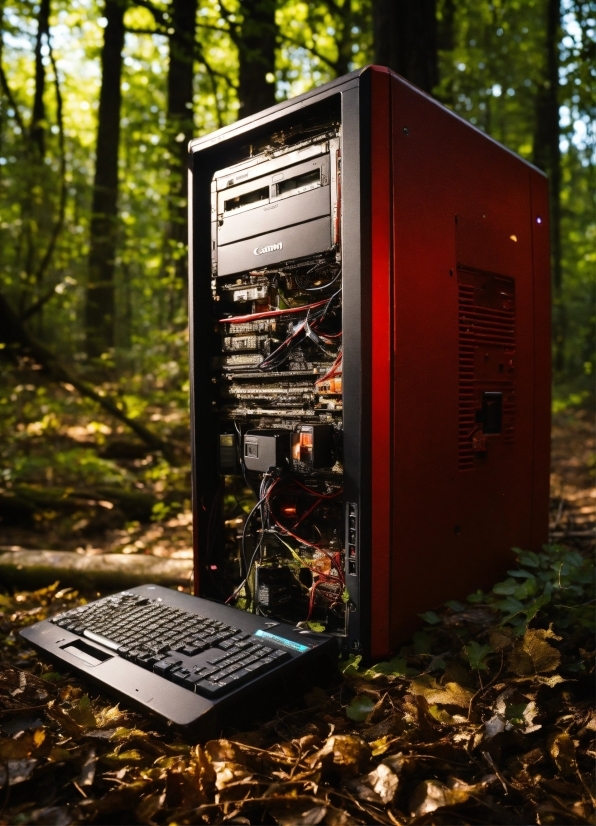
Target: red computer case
{"x": 446, "y": 361}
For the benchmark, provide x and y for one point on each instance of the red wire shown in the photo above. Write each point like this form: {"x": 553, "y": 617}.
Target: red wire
{"x": 239, "y": 319}
{"x": 333, "y": 370}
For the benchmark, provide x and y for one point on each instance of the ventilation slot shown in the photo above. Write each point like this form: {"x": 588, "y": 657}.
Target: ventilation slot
{"x": 486, "y": 358}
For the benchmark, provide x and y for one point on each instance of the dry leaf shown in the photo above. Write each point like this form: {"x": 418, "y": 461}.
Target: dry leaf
{"x": 384, "y": 782}
{"x": 345, "y": 754}
{"x": 17, "y": 771}
{"x": 432, "y": 794}
{"x": 533, "y": 655}
{"x": 562, "y": 750}
{"x": 501, "y": 637}
{"x": 449, "y": 694}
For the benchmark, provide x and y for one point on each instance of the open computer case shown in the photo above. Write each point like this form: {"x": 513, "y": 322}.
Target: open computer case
{"x": 370, "y": 359}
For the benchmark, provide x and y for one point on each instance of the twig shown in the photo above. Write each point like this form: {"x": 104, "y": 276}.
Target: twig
{"x": 310, "y": 49}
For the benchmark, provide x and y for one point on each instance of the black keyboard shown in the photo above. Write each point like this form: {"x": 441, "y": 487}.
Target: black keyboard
{"x": 213, "y": 652}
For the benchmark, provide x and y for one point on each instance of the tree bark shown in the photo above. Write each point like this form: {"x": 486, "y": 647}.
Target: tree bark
{"x": 183, "y": 14}
{"x": 256, "y": 40}
{"x": 99, "y": 312}
{"x": 547, "y": 156}
{"x": 405, "y": 39}
{"x": 38, "y": 115}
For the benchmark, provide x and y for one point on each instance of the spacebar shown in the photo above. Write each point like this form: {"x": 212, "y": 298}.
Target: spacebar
{"x": 102, "y": 640}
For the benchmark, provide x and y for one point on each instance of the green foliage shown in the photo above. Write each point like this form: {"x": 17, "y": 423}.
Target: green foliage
{"x": 558, "y": 583}
{"x": 477, "y": 655}
{"x": 360, "y": 707}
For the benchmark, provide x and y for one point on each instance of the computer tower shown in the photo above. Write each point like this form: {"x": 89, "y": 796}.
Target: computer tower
{"x": 370, "y": 359}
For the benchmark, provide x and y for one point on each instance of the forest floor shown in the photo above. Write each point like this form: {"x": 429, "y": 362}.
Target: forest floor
{"x": 486, "y": 716}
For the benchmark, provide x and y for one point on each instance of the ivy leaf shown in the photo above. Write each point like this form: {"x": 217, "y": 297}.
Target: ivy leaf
{"x": 477, "y": 654}
{"x": 360, "y": 707}
{"x": 316, "y": 626}
{"x": 350, "y": 667}
{"x": 505, "y": 588}
{"x": 455, "y": 606}
{"x": 527, "y": 558}
{"x": 397, "y": 667}
{"x": 430, "y": 617}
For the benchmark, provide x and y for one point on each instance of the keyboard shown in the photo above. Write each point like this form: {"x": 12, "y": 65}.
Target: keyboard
{"x": 179, "y": 657}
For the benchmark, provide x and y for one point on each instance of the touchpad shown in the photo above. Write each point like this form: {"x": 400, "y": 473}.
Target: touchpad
{"x": 88, "y": 653}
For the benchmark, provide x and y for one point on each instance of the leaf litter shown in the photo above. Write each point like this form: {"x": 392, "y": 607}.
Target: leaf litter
{"x": 485, "y": 717}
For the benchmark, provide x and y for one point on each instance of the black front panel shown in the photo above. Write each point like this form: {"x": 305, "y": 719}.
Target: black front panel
{"x": 277, "y": 329}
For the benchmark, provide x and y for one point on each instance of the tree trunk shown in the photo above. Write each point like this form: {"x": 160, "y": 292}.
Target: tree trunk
{"x": 38, "y": 115}
{"x": 183, "y": 14}
{"x": 547, "y": 156}
{"x": 343, "y": 21}
{"x": 256, "y": 39}
{"x": 446, "y": 26}
{"x": 405, "y": 39}
{"x": 99, "y": 314}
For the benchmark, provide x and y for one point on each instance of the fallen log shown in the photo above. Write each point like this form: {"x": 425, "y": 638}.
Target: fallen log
{"x": 37, "y": 569}
{"x": 22, "y": 501}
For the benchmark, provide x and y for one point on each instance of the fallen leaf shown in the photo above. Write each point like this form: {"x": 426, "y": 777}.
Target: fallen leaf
{"x": 432, "y": 794}
{"x": 345, "y": 754}
{"x": 533, "y": 655}
{"x": 384, "y": 782}
{"x": 117, "y": 758}
{"x": 429, "y": 796}
{"x": 562, "y": 751}
{"x": 448, "y": 694}
{"x": 17, "y": 771}
{"x": 82, "y": 713}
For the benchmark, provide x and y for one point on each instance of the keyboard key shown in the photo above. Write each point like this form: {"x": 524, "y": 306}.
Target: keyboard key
{"x": 209, "y": 689}
{"x": 242, "y": 676}
{"x": 216, "y": 657}
{"x": 179, "y": 675}
{"x": 147, "y": 660}
{"x": 243, "y": 644}
{"x": 204, "y": 673}
{"x": 163, "y": 667}
{"x": 226, "y": 644}
{"x": 191, "y": 650}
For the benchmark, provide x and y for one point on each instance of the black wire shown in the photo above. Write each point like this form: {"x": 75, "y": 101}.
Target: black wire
{"x": 248, "y": 518}
{"x": 277, "y": 357}
{"x": 323, "y": 286}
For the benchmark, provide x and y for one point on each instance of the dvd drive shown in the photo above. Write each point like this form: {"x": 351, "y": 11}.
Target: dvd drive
{"x": 297, "y": 241}
{"x": 276, "y": 214}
